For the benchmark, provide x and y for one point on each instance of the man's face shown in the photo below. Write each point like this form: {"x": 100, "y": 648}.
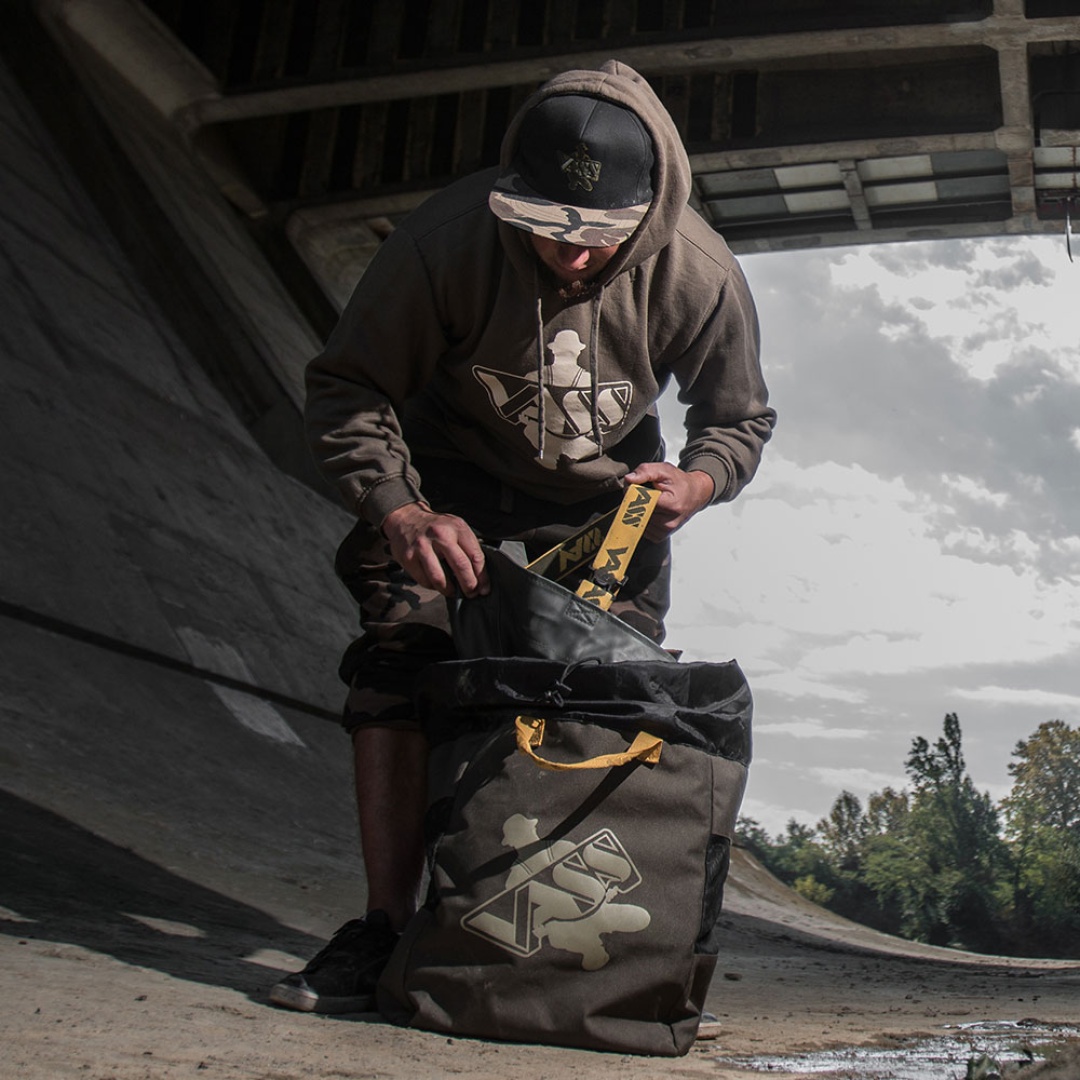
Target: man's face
{"x": 571, "y": 267}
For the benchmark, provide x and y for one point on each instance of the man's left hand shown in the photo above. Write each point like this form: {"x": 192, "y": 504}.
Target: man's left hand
{"x": 682, "y": 495}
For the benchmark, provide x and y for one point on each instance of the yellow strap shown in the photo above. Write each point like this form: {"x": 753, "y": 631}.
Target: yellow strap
{"x": 530, "y": 734}
{"x": 563, "y": 559}
{"x": 613, "y": 559}
{"x": 595, "y": 594}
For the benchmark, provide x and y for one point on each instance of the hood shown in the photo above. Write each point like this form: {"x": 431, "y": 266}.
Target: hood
{"x": 622, "y": 85}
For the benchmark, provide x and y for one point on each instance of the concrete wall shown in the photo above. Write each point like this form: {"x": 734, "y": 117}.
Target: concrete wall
{"x": 169, "y": 620}
{"x": 136, "y": 505}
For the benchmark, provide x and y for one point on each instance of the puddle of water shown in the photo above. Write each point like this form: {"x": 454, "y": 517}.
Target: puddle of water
{"x": 943, "y": 1058}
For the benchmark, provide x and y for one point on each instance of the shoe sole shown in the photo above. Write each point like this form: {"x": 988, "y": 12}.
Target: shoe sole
{"x": 294, "y": 997}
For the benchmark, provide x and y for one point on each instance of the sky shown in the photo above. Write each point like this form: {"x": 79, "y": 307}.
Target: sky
{"x": 910, "y": 546}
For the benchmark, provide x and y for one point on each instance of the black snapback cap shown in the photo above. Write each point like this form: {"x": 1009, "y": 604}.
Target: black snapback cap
{"x": 581, "y": 172}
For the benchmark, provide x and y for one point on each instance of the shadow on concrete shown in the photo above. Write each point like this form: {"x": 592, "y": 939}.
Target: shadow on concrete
{"x": 61, "y": 883}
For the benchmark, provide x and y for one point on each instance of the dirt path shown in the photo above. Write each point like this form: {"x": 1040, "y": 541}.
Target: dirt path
{"x": 130, "y": 995}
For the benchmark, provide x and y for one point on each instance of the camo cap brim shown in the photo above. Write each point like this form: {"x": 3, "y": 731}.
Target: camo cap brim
{"x": 584, "y": 226}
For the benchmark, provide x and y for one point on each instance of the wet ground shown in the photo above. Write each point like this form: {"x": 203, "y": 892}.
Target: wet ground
{"x": 981, "y": 1050}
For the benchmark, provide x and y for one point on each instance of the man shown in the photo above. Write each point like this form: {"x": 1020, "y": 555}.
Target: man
{"x": 495, "y": 376}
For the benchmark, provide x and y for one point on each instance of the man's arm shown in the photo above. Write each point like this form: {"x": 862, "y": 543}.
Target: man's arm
{"x": 728, "y": 418}
{"x": 385, "y": 348}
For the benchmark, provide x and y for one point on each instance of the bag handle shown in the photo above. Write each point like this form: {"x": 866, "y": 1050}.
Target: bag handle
{"x": 530, "y": 734}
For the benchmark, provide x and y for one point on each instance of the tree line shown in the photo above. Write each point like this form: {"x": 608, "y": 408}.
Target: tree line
{"x": 939, "y": 862}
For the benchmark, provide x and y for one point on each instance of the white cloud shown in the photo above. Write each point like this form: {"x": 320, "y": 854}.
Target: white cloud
{"x": 861, "y": 376}
{"x": 811, "y": 729}
{"x": 830, "y": 572}
{"x": 969, "y": 488}
{"x": 858, "y": 781}
{"x": 987, "y": 301}
{"x": 1015, "y": 695}
{"x": 796, "y": 686}
{"x": 1014, "y": 547}
{"x": 773, "y": 816}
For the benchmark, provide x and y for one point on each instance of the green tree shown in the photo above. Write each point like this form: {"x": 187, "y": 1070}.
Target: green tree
{"x": 1046, "y": 779}
{"x": 1042, "y": 814}
{"x": 934, "y": 857}
{"x": 843, "y": 838}
{"x": 750, "y": 834}
{"x": 960, "y": 858}
{"x": 793, "y": 854}
{"x": 813, "y": 890}
{"x": 887, "y": 862}
{"x": 930, "y": 863}
{"x": 886, "y": 812}
{"x": 843, "y": 833}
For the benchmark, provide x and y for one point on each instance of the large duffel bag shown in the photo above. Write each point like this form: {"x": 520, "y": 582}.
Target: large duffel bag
{"x": 580, "y": 827}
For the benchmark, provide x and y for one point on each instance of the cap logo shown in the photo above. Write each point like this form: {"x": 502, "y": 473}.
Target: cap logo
{"x": 580, "y": 169}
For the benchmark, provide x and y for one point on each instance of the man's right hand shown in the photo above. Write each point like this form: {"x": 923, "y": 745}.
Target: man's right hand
{"x": 438, "y": 551}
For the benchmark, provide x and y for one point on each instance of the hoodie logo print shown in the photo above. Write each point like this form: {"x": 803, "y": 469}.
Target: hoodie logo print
{"x": 569, "y": 400}
{"x": 580, "y": 169}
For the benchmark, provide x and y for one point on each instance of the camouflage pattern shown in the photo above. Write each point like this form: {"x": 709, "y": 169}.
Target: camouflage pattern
{"x": 567, "y": 224}
{"x": 643, "y": 601}
{"x": 406, "y": 627}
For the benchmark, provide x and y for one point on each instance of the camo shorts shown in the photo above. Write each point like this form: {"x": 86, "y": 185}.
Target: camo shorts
{"x": 407, "y": 627}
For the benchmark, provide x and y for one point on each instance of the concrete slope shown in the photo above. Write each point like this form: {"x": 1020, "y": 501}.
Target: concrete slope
{"x": 170, "y": 620}
{"x": 754, "y": 893}
{"x": 137, "y": 507}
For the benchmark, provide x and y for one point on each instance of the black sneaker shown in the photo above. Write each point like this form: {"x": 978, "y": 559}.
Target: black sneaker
{"x": 341, "y": 977}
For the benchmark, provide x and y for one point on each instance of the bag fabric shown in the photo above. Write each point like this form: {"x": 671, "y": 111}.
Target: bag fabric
{"x": 574, "y": 906}
{"x": 527, "y": 615}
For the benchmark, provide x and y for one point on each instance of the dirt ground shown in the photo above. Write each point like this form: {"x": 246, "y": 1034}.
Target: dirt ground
{"x": 141, "y": 996}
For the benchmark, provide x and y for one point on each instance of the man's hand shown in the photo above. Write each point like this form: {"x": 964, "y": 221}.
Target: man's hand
{"x": 438, "y": 551}
{"x": 682, "y": 495}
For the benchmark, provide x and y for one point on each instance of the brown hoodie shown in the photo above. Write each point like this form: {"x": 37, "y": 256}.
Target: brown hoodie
{"x": 446, "y": 339}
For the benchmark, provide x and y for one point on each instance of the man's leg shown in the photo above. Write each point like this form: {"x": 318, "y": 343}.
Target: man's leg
{"x": 390, "y": 766}
{"x": 406, "y": 628}
{"x": 391, "y": 800}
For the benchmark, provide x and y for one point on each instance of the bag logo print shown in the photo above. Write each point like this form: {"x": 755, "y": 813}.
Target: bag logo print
{"x": 561, "y": 894}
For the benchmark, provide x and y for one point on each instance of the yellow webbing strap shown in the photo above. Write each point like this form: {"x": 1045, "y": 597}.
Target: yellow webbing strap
{"x": 530, "y": 735}
{"x": 609, "y": 568}
{"x": 563, "y": 559}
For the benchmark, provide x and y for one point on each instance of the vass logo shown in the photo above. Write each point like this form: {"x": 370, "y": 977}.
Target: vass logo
{"x": 561, "y": 894}
{"x": 574, "y": 553}
{"x": 612, "y": 561}
{"x": 634, "y": 514}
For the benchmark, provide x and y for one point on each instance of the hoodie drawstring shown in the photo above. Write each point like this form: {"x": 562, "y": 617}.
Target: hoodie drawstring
{"x": 594, "y": 372}
{"x": 541, "y": 418}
